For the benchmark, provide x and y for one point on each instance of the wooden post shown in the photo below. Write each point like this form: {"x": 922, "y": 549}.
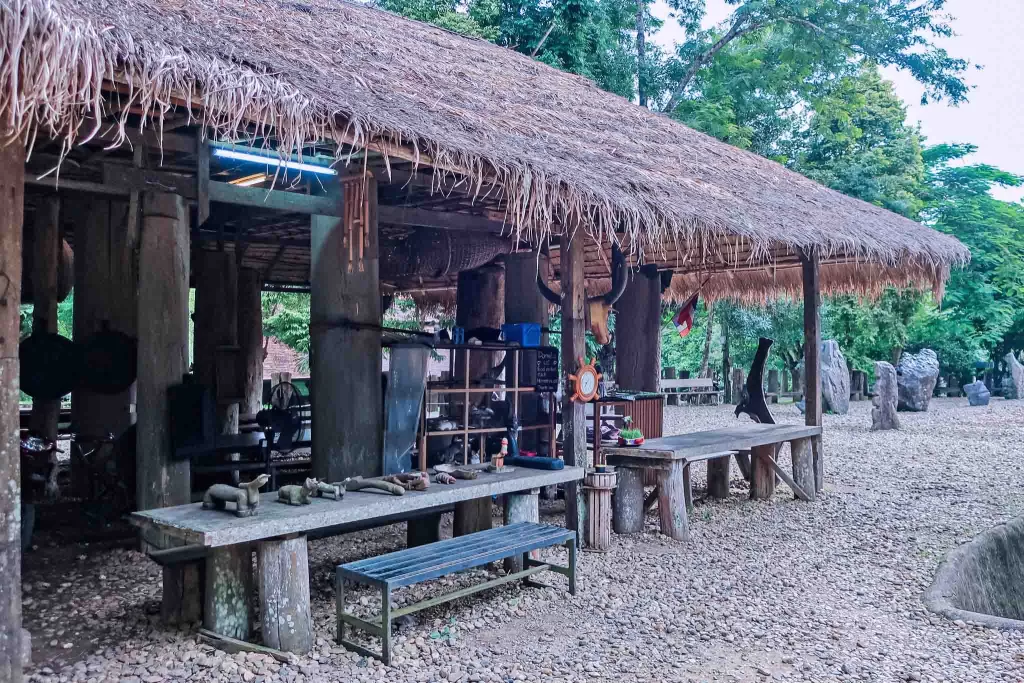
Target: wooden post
{"x": 215, "y": 333}
{"x": 638, "y": 332}
{"x": 227, "y": 609}
{"x": 673, "y": 398}
{"x": 718, "y": 477}
{"x": 250, "y": 339}
{"x": 12, "y": 189}
{"x": 773, "y": 385}
{"x": 348, "y": 411}
{"x": 284, "y": 594}
{"x": 46, "y": 248}
{"x": 423, "y": 530}
{"x": 628, "y": 501}
{"x": 574, "y": 420}
{"x": 106, "y": 293}
{"x": 480, "y": 302}
{"x": 471, "y": 516}
{"x": 762, "y": 476}
{"x": 523, "y": 506}
{"x": 738, "y": 382}
{"x": 812, "y": 358}
{"x": 524, "y": 304}
{"x": 803, "y": 465}
{"x": 672, "y": 502}
{"x": 161, "y": 480}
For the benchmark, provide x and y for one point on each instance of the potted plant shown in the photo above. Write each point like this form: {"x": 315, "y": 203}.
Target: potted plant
{"x": 629, "y": 435}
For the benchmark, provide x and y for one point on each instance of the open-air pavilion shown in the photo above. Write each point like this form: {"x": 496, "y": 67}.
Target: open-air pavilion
{"x": 164, "y": 143}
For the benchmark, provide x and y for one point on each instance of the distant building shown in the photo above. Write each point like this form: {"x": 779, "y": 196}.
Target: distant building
{"x": 279, "y": 357}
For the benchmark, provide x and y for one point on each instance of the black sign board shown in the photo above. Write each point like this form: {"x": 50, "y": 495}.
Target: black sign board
{"x": 547, "y": 369}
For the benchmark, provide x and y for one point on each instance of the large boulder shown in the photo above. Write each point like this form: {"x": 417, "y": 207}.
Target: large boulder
{"x": 1013, "y": 385}
{"x": 977, "y": 393}
{"x": 917, "y": 374}
{"x": 835, "y": 379}
{"x": 883, "y": 414}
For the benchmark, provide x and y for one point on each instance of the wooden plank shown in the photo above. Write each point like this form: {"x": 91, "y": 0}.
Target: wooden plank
{"x": 696, "y": 444}
{"x": 280, "y": 200}
{"x": 234, "y": 646}
{"x": 215, "y": 528}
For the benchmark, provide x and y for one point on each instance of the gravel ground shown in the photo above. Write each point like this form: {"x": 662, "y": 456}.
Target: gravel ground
{"x": 827, "y": 591}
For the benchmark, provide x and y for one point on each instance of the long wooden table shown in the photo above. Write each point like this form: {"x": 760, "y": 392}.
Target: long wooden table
{"x": 279, "y": 534}
{"x": 672, "y": 456}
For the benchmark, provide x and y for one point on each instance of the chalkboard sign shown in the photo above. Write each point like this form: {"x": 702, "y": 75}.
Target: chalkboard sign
{"x": 547, "y": 369}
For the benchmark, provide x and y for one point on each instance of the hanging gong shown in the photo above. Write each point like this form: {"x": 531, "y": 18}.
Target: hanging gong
{"x": 109, "y": 361}
{"x": 50, "y": 365}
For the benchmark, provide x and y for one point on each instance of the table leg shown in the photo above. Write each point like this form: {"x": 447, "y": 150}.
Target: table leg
{"x": 227, "y": 609}
{"x": 521, "y": 507}
{"x": 181, "y": 601}
{"x": 628, "y": 501}
{"x": 718, "y": 477}
{"x": 472, "y": 516}
{"x": 284, "y": 594}
{"x": 762, "y": 475}
{"x": 803, "y": 465}
{"x": 672, "y": 502}
{"x": 423, "y": 530}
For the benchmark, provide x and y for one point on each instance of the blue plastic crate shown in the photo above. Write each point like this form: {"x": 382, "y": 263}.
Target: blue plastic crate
{"x": 525, "y": 334}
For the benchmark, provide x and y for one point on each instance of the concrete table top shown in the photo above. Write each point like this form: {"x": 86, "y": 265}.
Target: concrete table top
{"x": 689, "y": 446}
{"x": 214, "y": 528}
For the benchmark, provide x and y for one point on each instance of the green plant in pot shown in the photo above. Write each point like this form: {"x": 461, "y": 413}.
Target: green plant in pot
{"x": 630, "y": 435}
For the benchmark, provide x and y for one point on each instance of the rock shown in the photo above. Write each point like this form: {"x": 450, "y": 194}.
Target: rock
{"x": 1015, "y": 385}
{"x": 977, "y": 393}
{"x": 835, "y": 379}
{"x": 883, "y": 414}
{"x": 917, "y": 375}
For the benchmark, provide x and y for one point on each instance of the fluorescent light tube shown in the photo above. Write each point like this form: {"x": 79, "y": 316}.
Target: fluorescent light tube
{"x": 272, "y": 161}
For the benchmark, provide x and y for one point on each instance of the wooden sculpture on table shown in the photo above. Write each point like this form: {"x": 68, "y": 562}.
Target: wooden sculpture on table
{"x": 753, "y": 401}
{"x": 246, "y": 497}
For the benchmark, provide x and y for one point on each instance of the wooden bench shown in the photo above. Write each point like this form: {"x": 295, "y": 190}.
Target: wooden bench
{"x": 415, "y": 565}
{"x": 692, "y": 388}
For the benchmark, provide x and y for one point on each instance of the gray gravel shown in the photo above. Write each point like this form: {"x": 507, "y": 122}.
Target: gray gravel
{"x": 781, "y": 590}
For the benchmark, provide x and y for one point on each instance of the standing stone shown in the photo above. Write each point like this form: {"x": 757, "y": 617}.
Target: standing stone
{"x": 1014, "y": 384}
{"x": 835, "y": 378}
{"x": 977, "y": 393}
{"x": 883, "y": 415}
{"x": 917, "y": 375}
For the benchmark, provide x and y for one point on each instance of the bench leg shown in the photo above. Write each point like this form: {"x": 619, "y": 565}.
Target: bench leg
{"x": 227, "y": 610}
{"x": 423, "y": 530}
{"x": 628, "y": 501}
{"x": 762, "y": 475}
{"x": 672, "y": 502}
{"x": 339, "y": 606}
{"x": 718, "y": 477}
{"x": 284, "y": 594}
{"x": 523, "y": 506}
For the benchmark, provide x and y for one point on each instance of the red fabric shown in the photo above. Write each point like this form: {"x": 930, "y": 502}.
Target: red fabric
{"x": 683, "y": 319}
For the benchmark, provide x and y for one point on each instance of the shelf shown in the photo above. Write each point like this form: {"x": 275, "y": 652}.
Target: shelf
{"x": 486, "y": 430}
{"x": 479, "y": 390}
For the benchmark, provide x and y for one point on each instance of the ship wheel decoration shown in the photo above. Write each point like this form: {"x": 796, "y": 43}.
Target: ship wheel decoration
{"x": 584, "y": 382}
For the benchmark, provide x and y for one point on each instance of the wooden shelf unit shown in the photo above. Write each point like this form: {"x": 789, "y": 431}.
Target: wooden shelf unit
{"x": 467, "y": 389}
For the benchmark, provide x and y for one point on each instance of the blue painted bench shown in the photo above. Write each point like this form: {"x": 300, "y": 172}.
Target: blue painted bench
{"x": 414, "y": 565}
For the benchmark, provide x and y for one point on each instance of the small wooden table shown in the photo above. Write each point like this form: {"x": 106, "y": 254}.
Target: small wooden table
{"x": 671, "y": 457}
{"x": 279, "y": 533}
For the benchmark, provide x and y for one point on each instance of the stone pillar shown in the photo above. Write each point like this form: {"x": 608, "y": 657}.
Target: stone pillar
{"x": 106, "y": 292}
{"x": 638, "y": 332}
{"x": 250, "y": 339}
{"x": 46, "y": 249}
{"x": 348, "y": 410}
{"x": 162, "y": 481}
{"x": 12, "y": 194}
{"x": 574, "y": 421}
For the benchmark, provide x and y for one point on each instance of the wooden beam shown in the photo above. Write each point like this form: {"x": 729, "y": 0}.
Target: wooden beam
{"x": 812, "y": 355}
{"x": 147, "y": 138}
{"x": 292, "y": 202}
{"x": 202, "y": 185}
{"x": 132, "y": 179}
{"x": 443, "y": 220}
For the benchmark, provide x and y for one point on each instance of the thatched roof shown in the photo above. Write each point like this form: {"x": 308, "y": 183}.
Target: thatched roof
{"x": 561, "y": 151}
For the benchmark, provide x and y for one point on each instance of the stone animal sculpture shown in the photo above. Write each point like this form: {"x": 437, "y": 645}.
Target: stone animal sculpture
{"x": 598, "y": 307}
{"x": 360, "y": 484}
{"x": 410, "y": 481}
{"x": 246, "y": 497}
{"x": 298, "y": 494}
{"x": 457, "y": 472}
{"x": 325, "y": 490}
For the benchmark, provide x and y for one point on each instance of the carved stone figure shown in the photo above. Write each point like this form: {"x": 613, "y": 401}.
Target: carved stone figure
{"x": 883, "y": 415}
{"x": 977, "y": 393}
{"x": 325, "y": 490}
{"x": 295, "y": 494}
{"x": 1014, "y": 388}
{"x": 916, "y": 376}
{"x": 246, "y": 497}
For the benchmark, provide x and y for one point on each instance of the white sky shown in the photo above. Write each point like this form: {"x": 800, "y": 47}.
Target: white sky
{"x": 988, "y": 34}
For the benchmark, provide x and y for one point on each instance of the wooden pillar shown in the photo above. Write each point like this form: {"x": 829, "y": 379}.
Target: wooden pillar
{"x": 250, "y": 339}
{"x": 215, "y": 333}
{"x": 638, "y": 332}
{"x": 812, "y": 358}
{"x": 348, "y": 411}
{"x": 480, "y": 302}
{"x": 12, "y": 189}
{"x": 227, "y": 609}
{"x": 284, "y": 594}
{"x": 525, "y": 304}
{"x": 161, "y": 480}
{"x": 46, "y": 248}
{"x": 762, "y": 475}
{"x": 106, "y": 293}
{"x": 574, "y": 421}
{"x": 523, "y": 506}
{"x": 628, "y": 501}
{"x": 803, "y": 465}
{"x": 718, "y": 477}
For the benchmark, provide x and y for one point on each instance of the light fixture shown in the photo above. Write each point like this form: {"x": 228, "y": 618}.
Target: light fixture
{"x": 272, "y": 161}
{"x": 249, "y": 180}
